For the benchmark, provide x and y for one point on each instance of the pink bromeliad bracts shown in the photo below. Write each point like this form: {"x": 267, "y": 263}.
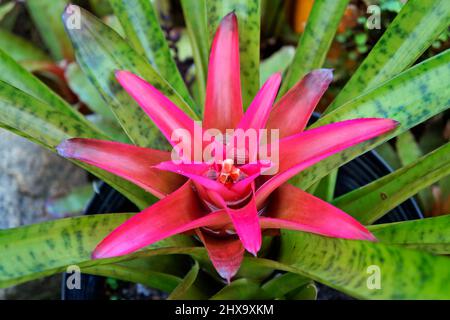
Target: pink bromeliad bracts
{"x": 228, "y": 203}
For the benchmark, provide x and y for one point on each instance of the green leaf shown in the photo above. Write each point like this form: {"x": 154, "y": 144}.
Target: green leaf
{"x": 109, "y": 126}
{"x": 194, "y": 12}
{"x": 6, "y": 8}
{"x": 413, "y": 30}
{"x": 142, "y": 30}
{"x": 137, "y": 271}
{"x": 86, "y": 91}
{"x": 242, "y": 289}
{"x": 282, "y": 284}
{"x": 186, "y": 289}
{"x": 101, "y": 8}
{"x": 248, "y": 13}
{"x": 430, "y": 234}
{"x": 15, "y": 75}
{"x": 326, "y": 186}
{"x": 48, "y": 126}
{"x": 307, "y": 292}
{"x": 371, "y": 202}
{"x": 315, "y": 41}
{"x": 410, "y": 98}
{"x": 46, "y": 16}
{"x": 349, "y": 266}
{"x": 42, "y": 249}
{"x": 407, "y": 148}
{"x": 100, "y": 51}
{"x": 388, "y": 153}
{"x": 72, "y": 203}
{"x": 408, "y": 152}
{"x": 277, "y": 62}
{"x": 20, "y": 49}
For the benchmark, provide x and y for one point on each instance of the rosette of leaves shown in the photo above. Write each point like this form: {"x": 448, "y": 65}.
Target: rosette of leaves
{"x": 387, "y": 84}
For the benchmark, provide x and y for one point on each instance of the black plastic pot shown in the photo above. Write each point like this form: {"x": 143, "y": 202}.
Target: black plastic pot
{"x": 358, "y": 172}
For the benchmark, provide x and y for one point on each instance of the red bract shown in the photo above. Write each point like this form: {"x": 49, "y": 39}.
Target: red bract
{"x": 228, "y": 203}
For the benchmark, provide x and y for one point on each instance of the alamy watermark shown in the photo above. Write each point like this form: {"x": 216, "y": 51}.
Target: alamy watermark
{"x": 374, "y": 279}
{"x": 73, "y": 280}
{"x": 374, "y": 20}
{"x": 73, "y": 17}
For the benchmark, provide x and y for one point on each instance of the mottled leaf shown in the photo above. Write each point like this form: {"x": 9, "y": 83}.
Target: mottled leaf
{"x": 141, "y": 26}
{"x": 86, "y": 91}
{"x": 413, "y": 30}
{"x": 371, "y": 202}
{"x": 48, "y": 126}
{"x": 42, "y": 249}
{"x": 15, "y": 75}
{"x": 315, "y": 41}
{"x": 100, "y": 51}
{"x": 410, "y": 98}
{"x": 430, "y": 234}
{"x": 352, "y": 267}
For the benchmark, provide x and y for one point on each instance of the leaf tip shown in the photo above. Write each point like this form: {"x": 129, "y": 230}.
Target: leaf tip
{"x": 64, "y": 149}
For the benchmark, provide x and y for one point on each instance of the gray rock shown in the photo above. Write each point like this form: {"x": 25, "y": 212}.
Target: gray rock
{"x": 29, "y": 176}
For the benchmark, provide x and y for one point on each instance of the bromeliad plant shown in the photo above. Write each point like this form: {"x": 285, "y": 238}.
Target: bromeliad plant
{"x": 219, "y": 192}
{"x": 230, "y": 192}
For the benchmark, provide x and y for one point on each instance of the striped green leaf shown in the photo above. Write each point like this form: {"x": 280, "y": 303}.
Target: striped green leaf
{"x": 86, "y": 91}
{"x": 100, "y": 51}
{"x": 430, "y": 234}
{"x": 315, "y": 41}
{"x": 351, "y": 267}
{"x": 371, "y": 202}
{"x": 46, "y": 248}
{"x": 141, "y": 25}
{"x": 14, "y": 74}
{"x": 248, "y": 13}
{"x": 49, "y": 247}
{"x": 410, "y": 98}
{"x": 48, "y": 125}
{"x": 194, "y": 12}
{"x": 414, "y": 29}
{"x": 46, "y": 15}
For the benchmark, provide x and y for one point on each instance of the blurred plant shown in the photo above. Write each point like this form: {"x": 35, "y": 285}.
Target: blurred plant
{"x": 384, "y": 85}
